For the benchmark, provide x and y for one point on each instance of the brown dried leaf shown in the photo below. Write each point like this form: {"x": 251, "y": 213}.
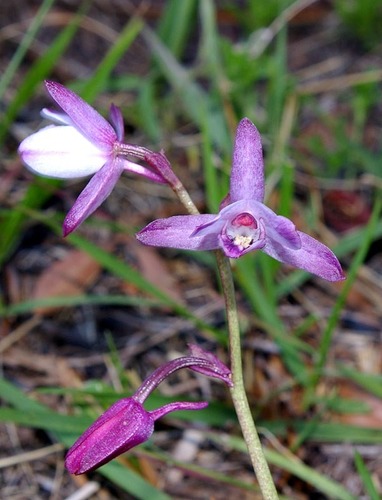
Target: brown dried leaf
{"x": 67, "y": 277}
{"x": 155, "y": 270}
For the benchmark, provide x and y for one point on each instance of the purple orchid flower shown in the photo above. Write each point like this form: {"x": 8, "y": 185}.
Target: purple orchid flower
{"x": 244, "y": 223}
{"x": 127, "y": 424}
{"x": 83, "y": 144}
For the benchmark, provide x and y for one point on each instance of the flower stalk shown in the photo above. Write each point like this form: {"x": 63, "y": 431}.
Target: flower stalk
{"x": 238, "y": 393}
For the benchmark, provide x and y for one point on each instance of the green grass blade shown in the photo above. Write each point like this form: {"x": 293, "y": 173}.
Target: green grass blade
{"x": 131, "y": 482}
{"x": 74, "y": 301}
{"x": 128, "y": 273}
{"x": 11, "y": 223}
{"x": 322, "y": 483}
{"x": 67, "y": 428}
{"x": 39, "y": 71}
{"x": 339, "y": 305}
{"x": 24, "y": 45}
{"x": 292, "y": 464}
{"x": 195, "y": 100}
{"x": 100, "y": 77}
{"x": 369, "y": 381}
{"x": 177, "y": 21}
{"x": 367, "y": 480}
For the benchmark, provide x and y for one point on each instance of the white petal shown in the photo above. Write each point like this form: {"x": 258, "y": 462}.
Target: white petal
{"x": 61, "y": 152}
{"x": 56, "y": 116}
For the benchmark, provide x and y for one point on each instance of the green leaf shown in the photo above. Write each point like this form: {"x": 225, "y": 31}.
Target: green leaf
{"x": 365, "y": 475}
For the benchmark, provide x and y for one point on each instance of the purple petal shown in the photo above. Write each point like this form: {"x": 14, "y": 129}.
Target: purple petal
{"x": 217, "y": 368}
{"x": 176, "y": 232}
{"x": 181, "y": 405}
{"x": 129, "y": 166}
{"x": 124, "y": 425}
{"x": 96, "y": 191}
{"x": 61, "y": 152}
{"x": 247, "y": 175}
{"x": 116, "y": 120}
{"x": 87, "y": 120}
{"x": 313, "y": 256}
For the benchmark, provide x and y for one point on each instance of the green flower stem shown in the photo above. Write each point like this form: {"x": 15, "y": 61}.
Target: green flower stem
{"x": 238, "y": 394}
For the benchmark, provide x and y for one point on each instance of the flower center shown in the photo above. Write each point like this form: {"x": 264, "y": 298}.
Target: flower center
{"x": 242, "y": 231}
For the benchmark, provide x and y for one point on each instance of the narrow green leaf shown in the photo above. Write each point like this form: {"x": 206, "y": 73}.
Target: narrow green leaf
{"x": 365, "y": 475}
{"x": 370, "y": 381}
{"x": 39, "y": 71}
{"x": 100, "y": 77}
{"x": 176, "y": 23}
{"x": 75, "y": 300}
{"x": 24, "y": 45}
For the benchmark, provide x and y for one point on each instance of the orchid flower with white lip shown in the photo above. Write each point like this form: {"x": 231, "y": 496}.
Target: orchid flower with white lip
{"x": 83, "y": 143}
{"x": 244, "y": 223}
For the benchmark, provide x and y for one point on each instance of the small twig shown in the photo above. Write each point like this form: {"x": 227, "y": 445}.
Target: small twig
{"x": 29, "y": 456}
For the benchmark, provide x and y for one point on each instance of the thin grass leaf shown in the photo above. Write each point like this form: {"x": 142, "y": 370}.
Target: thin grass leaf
{"x": 369, "y": 381}
{"x": 348, "y": 243}
{"x": 334, "y": 317}
{"x": 66, "y": 429}
{"x": 75, "y": 301}
{"x": 248, "y": 280}
{"x": 126, "y": 272}
{"x": 35, "y": 196}
{"x": 11, "y": 223}
{"x": 24, "y": 45}
{"x": 211, "y": 178}
{"x": 40, "y": 70}
{"x": 326, "y": 432}
{"x": 320, "y": 482}
{"x": 131, "y": 482}
{"x": 98, "y": 82}
{"x": 290, "y": 463}
{"x": 203, "y": 472}
{"x": 195, "y": 100}
{"x": 176, "y": 23}
{"x": 365, "y": 475}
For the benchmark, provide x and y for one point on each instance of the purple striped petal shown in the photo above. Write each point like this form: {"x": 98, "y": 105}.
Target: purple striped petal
{"x": 116, "y": 120}
{"x": 129, "y": 166}
{"x": 313, "y": 257}
{"x": 177, "y": 232}
{"x": 247, "y": 174}
{"x": 85, "y": 118}
{"x": 96, "y": 191}
{"x": 124, "y": 425}
{"x": 177, "y": 406}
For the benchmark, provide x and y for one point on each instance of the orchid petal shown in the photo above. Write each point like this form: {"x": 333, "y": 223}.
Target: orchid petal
{"x": 247, "y": 175}
{"x": 85, "y": 118}
{"x": 56, "y": 116}
{"x": 313, "y": 256}
{"x": 61, "y": 152}
{"x": 116, "y": 120}
{"x": 96, "y": 191}
{"x": 217, "y": 368}
{"x": 124, "y": 425}
{"x": 177, "y": 406}
{"x": 129, "y": 166}
{"x": 177, "y": 232}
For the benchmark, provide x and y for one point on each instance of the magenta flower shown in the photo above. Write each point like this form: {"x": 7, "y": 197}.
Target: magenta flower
{"x": 244, "y": 223}
{"x": 127, "y": 424}
{"x": 83, "y": 143}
